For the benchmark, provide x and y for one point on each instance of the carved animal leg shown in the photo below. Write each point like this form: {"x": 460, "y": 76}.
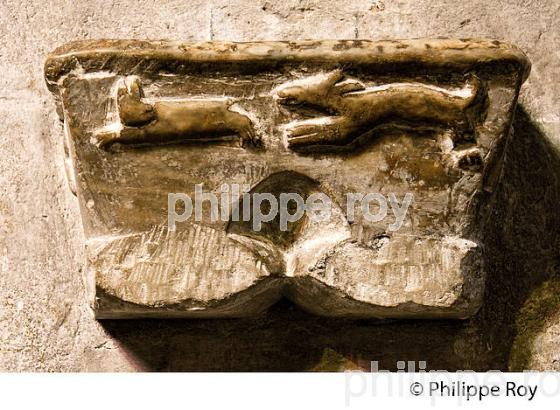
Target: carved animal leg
{"x": 470, "y": 158}
{"x": 467, "y": 158}
{"x": 105, "y": 138}
{"x": 243, "y": 126}
{"x": 323, "y": 131}
{"x": 125, "y": 135}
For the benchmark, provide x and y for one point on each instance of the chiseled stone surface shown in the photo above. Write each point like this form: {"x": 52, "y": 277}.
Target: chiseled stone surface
{"x": 425, "y": 118}
{"x": 46, "y": 320}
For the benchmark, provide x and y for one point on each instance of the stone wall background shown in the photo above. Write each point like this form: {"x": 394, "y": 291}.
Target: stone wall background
{"x": 45, "y": 324}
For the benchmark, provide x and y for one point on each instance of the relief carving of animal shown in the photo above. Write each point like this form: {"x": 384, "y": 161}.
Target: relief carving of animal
{"x": 174, "y": 120}
{"x": 356, "y": 109}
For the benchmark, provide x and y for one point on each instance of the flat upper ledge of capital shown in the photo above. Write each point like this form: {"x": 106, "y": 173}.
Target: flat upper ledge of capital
{"x": 131, "y": 56}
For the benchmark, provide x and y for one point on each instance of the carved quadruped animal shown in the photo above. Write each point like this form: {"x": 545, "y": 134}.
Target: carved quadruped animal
{"x": 174, "y": 120}
{"x": 356, "y": 109}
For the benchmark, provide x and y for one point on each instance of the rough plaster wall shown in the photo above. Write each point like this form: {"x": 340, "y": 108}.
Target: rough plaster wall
{"x": 45, "y": 323}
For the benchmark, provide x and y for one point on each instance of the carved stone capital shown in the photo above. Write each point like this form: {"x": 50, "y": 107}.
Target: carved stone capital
{"x": 423, "y": 120}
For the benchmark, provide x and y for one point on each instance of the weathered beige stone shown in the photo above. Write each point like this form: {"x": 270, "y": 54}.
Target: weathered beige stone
{"x": 426, "y": 117}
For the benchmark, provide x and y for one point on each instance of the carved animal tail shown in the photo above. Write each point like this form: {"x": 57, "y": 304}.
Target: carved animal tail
{"x": 476, "y": 103}
{"x": 478, "y": 91}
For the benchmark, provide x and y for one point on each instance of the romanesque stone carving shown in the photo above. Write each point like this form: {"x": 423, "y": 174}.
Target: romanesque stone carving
{"x": 357, "y": 109}
{"x": 173, "y": 120}
{"x": 366, "y": 124}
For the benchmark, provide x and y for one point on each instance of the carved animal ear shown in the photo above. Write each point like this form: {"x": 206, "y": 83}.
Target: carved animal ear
{"x": 134, "y": 88}
{"x": 348, "y": 85}
{"x": 122, "y": 92}
{"x": 132, "y": 111}
{"x": 334, "y": 76}
{"x": 129, "y": 91}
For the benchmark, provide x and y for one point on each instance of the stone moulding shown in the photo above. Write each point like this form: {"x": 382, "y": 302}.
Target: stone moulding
{"x": 142, "y": 119}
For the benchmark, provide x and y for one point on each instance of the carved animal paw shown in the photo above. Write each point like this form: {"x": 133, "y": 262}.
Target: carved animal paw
{"x": 104, "y": 138}
{"x": 468, "y": 158}
{"x": 315, "y": 131}
{"x": 246, "y": 132}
